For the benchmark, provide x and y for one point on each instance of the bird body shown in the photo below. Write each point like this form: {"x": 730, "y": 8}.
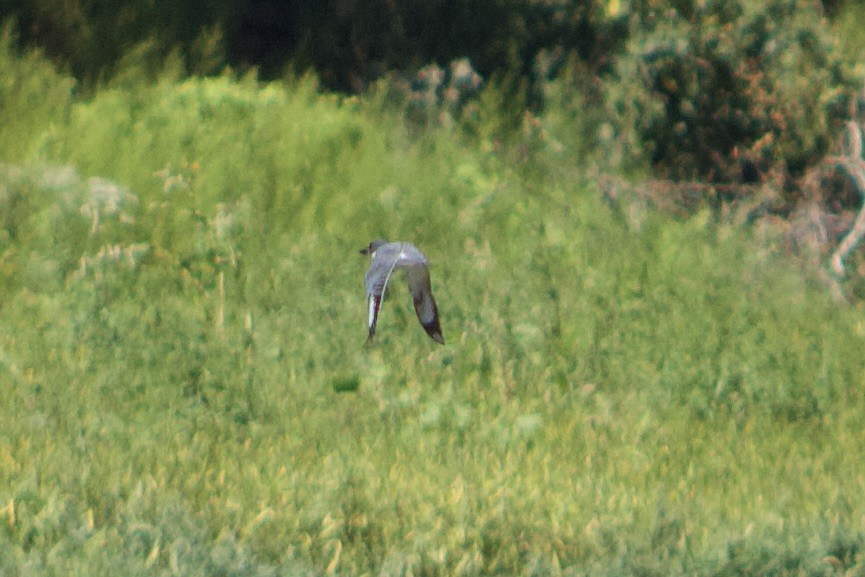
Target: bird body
{"x": 385, "y": 258}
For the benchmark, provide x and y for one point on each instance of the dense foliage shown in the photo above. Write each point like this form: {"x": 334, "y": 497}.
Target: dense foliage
{"x": 730, "y": 91}
{"x": 348, "y": 43}
{"x": 723, "y": 91}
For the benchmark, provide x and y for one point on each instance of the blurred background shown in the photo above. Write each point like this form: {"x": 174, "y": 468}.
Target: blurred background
{"x": 642, "y": 221}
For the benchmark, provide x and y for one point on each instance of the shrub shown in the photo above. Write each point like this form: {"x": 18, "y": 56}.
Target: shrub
{"x": 729, "y": 91}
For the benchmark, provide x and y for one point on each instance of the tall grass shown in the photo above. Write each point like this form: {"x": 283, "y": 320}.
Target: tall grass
{"x": 185, "y": 388}
{"x": 33, "y": 96}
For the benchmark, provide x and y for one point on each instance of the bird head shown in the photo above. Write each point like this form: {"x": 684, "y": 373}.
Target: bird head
{"x": 373, "y": 246}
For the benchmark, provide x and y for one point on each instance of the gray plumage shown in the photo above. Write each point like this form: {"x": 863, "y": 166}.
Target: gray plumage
{"x": 385, "y": 258}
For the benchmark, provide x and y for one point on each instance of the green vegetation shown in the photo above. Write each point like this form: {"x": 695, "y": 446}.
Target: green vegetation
{"x": 185, "y": 389}
{"x": 348, "y": 44}
{"x": 728, "y": 87}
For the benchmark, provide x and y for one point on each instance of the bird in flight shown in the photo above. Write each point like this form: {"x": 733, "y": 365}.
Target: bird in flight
{"x": 385, "y": 257}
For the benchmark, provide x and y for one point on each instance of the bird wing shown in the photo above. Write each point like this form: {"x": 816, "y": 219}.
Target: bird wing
{"x": 424, "y": 303}
{"x": 381, "y": 267}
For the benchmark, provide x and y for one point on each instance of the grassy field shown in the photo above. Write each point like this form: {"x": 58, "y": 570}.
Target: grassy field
{"x": 185, "y": 389}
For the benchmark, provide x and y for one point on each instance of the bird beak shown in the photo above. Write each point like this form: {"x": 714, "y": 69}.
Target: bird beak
{"x": 364, "y": 250}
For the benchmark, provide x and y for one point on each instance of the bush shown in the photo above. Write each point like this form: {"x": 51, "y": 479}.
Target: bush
{"x": 730, "y": 91}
